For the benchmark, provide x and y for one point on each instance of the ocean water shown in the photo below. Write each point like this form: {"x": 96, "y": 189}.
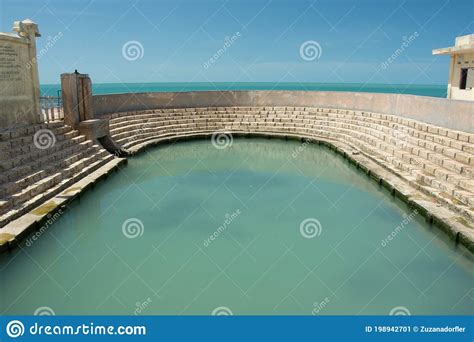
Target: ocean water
{"x": 259, "y": 227}
{"x": 114, "y": 88}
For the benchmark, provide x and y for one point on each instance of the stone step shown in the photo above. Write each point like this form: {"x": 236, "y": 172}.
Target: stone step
{"x": 5, "y": 205}
{"x": 450, "y": 146}
{"x": 50, "y": 180}
{"x": 50, "y": 162}
{"x": 402, "y": 168}
{"x": 22, "y": 131}
{"x": 455, "y": 165}
{"x": 82, "y": 163}
{"x": 30, "y": 147}
{"x": 461, "y": 161}
{"x": 410, "y": 126}
{"x": 402, "y": 165}
{"x": 71, "y": 155}
{"x": 430, "y": 181}
{"x": 31, "y": 165}
{"x": 35, "y": 189}
{"x": 419, "y": 126}
{"x": 138, "y": 129}
{"x": 406, "y": 157}
{"x": 28, "y": 205}
{"x": 171, "y": 130}
{"x": 15, "y": 144}
{"x": 436, "y": 156}
{"x": 457, "y": 201}
{"x": 161, "y": 135}
{"x": 411, "y": 134}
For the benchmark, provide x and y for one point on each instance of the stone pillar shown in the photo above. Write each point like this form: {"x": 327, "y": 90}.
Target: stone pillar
{"x": 452, "y": 67}
{"x": 29, "y": 30}
{"x": 85, "y": 90}
{"x": 77, "y": 98}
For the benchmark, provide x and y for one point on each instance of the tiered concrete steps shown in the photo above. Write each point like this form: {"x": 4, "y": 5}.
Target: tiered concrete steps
{"x": 30, "y": 175}
{"x": 437, "y": 161}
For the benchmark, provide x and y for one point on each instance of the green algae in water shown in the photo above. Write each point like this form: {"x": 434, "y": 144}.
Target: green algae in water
{"x": 210, "y": 228}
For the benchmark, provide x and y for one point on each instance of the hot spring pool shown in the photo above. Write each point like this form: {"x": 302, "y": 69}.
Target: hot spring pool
{"x": 260, "y": 227}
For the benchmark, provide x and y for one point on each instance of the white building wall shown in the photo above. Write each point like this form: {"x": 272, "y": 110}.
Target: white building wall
{"x": 460, "y": 61}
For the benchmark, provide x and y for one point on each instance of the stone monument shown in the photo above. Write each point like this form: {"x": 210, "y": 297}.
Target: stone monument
{"x": 19, "y": 82}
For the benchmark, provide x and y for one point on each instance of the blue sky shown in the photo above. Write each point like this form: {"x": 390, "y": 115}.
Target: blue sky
{"x": 177, "y": 38}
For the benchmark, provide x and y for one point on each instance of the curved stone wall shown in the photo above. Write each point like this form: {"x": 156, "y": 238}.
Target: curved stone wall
{"x": 453, "y": 114}
{"x": 428, "y": 166}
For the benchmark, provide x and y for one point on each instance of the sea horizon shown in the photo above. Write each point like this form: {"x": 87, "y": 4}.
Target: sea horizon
{"x": 433, "y": 90}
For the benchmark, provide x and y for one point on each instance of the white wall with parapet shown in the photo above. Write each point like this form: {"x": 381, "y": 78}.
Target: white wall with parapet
{"x": 461, "y": 62}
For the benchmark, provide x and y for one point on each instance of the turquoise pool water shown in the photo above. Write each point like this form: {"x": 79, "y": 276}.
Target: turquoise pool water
{"x": 113, "y": 88}
{"x": 260, "y": 227}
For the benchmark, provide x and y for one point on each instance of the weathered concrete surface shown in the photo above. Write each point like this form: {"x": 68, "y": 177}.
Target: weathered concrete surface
{"x": 19, "y": 82}
{"x": 453, "y": 114}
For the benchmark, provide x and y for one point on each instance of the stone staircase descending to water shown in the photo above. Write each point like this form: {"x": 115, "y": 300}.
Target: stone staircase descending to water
{"x": 38, "y": 162}
{"x": 437, "y": 161}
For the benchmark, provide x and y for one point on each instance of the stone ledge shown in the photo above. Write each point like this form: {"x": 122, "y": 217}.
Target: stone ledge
{"x": 94, "y": 129}
{"x": 15, "y": 231}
